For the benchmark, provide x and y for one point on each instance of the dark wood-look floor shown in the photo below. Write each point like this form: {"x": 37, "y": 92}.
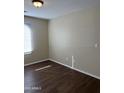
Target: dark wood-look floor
{"x": 58, "y": 79}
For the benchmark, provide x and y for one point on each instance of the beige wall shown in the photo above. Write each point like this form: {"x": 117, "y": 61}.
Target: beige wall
{"x": 39, "y": 29}
{"x": 77, "y": 34}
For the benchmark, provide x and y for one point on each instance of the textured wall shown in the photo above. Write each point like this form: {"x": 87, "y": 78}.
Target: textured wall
{"x": 77, "y": 34}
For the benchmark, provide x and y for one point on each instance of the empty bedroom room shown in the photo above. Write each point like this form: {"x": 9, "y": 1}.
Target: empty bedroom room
{"x": 61, "y": 46}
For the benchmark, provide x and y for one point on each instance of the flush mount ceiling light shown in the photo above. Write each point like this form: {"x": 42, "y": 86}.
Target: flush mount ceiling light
{"x": 37, "y": 3}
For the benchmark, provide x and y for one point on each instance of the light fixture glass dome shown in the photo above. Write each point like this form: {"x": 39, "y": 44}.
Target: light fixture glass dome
{"x": 37, "y": 3}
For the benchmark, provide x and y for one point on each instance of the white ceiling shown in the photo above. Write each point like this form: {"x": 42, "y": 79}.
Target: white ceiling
{"x": 54, "y": 8}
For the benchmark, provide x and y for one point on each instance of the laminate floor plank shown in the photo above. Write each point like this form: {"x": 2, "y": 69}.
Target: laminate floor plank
{"x": 57, "y": 79}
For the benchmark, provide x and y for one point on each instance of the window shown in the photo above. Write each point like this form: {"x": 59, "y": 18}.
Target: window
{"x": 27, "y": 40}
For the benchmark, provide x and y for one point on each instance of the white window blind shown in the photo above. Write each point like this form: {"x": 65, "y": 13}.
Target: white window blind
{"x": 27, "y": 40}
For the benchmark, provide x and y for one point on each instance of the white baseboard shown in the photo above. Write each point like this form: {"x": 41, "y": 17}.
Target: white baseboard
{"x": 63, "y": 65}
{"x": 75, "y": 69}
{"x": 35, "y": 62}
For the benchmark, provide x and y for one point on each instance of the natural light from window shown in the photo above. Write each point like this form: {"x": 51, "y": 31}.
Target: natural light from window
{"x": 27, "y": 40}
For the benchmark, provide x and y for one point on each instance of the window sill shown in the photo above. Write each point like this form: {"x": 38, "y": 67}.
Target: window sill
{"x": 27, "y": 53}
